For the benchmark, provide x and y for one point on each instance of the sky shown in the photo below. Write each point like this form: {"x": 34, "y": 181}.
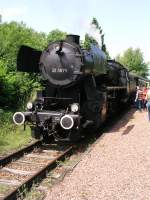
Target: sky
{"x": 125, "y": 23}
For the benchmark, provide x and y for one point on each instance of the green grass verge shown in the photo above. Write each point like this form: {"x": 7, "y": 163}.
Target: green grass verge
{"x": 35, "y": 194}
{"x": 4, "y": 188}
{"x": 12, "y": 137}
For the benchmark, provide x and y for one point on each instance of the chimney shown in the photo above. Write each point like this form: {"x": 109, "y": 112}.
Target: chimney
{"x": 73, "y": 38}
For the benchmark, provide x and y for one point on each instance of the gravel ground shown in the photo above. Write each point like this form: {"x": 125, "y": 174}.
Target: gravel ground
{"x": 118, "y": 167}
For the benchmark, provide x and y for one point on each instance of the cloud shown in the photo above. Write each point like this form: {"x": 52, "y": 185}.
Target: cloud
{"x": 8, "y": 13}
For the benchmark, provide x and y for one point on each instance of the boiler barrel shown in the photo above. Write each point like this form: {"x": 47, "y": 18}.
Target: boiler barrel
{"x": 95, "y": 61}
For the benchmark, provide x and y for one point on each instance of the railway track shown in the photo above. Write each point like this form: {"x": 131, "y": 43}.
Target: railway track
{"x": 20, "y": 170}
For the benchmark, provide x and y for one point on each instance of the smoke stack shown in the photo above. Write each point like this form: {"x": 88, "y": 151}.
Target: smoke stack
{"x": 73, "y": 38}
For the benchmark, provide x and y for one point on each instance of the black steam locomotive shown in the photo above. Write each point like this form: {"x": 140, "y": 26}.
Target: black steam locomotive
{"x": 82, "y": 88}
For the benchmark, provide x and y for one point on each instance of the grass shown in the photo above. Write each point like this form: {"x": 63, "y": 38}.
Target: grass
{"x": 12, "y": 137}
{"x": 35, "y": 194}
{"x": 3, "y": 188}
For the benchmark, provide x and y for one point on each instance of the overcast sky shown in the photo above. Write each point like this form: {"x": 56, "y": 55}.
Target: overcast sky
{"x": 125, "y": 23}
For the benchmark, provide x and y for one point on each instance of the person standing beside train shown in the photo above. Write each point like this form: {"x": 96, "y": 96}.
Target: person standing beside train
{"x": 144, "y": 100}
{"x": 148, "y": 102}
{"x": 139, "y": 98}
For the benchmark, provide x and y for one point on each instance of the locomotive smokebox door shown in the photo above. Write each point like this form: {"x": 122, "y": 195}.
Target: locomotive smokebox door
{"x": 61, "y": 63}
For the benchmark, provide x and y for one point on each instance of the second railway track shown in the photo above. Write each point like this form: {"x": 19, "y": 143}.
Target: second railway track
{"x": 20, "y": 170}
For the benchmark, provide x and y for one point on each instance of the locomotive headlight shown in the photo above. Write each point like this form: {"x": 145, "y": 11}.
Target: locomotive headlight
{"x": 67, "y": 122}
{"x": 29, "y": 105}
{"x": 57, "y": 48}
{"x": 19, "y": 118}
{"x": 74, "y": 107}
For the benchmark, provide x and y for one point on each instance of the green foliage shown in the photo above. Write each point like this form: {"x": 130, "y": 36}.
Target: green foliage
{"x": 4, "y": 188}
{"x": 11, "y": 137}
{"x": 56, "y": 35}
{"x": 134, "y": 61}
{"x": 35, "y": 194}
{"x": 88, "y": 41}
{"x": 91, "y": 40}
{"x": 15, "y": 88}
{"x": 98, "y": 27}
{"x": 12, "y": 36}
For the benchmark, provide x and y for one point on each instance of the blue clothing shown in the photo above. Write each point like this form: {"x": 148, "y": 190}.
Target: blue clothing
{"x": 139, "y": 104}
{"x": 148, "y": 109}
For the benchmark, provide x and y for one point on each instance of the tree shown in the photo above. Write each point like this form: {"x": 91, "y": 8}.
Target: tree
{"x": 12, "y": 36}
{"x": 88, "y": 41}
{"x": 134, "y": 61}
{"x": 56, "y": 35}
{"x": 103, "y": 45}
{"x": 15, "y": 88}
{"x": 98, "y": 27}
{"x": 91, "y": 40}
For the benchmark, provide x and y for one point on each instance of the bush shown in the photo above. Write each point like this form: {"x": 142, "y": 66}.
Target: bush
{"x": 16, "y": 89}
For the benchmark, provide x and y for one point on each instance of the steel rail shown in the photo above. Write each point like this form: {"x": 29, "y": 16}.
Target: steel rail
{"x": 17, "y": 154}
{"x": 21, "y": 190}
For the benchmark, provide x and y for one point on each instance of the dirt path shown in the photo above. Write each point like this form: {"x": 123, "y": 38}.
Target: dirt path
{"x": 118, "y": 167}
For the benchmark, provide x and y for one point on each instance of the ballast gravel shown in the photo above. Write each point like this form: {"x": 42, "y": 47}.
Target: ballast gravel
{"x": 117, "y": 167}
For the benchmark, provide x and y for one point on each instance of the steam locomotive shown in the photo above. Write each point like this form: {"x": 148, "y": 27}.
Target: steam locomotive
{"x": 82, "y": 88}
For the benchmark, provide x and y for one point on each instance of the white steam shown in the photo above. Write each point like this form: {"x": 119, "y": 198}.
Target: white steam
{"x": 94, "y": 32}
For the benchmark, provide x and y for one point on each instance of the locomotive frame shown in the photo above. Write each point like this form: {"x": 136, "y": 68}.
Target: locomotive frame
{"x": 82, "y": 89}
